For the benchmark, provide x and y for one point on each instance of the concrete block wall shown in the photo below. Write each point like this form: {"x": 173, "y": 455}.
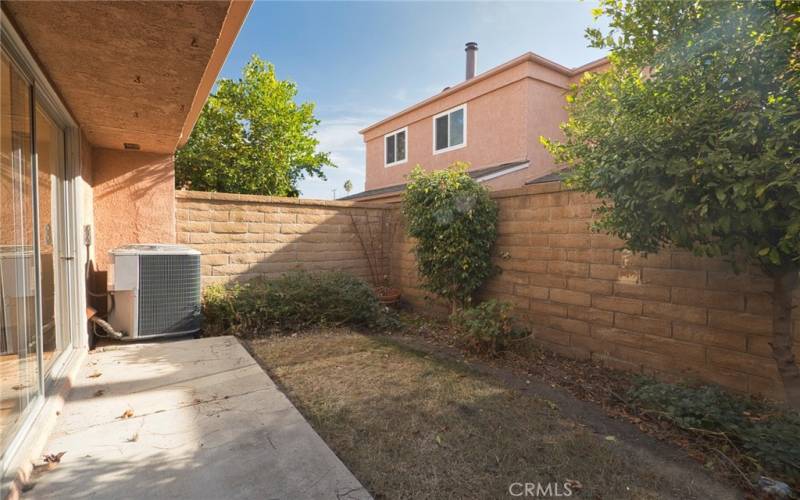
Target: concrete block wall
{"x": 244, "y": 236}
{"x": 670, "y": 314}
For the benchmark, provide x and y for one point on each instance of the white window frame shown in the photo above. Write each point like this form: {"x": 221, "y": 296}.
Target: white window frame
{"x": 396, "y": 162}
{"x": 448, "y": 112}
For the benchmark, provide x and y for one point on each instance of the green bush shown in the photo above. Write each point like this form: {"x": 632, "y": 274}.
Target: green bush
{"x": 294, "y": 301}
{"x": 488, "y": 327}
{"x": 454, "y": 222}
{"x": 766, "y": 434}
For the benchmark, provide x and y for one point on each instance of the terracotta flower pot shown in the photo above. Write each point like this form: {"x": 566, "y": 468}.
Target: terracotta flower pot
{"x": 386, "y": 295}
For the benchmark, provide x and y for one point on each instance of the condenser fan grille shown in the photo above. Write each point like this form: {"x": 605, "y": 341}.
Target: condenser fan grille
{"x": 169, "y": 294}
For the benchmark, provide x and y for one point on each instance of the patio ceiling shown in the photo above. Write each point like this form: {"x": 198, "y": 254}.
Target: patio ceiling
{"x": 131, "y": 72}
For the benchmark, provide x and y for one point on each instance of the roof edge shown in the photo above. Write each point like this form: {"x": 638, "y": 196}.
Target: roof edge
{"x": 237, "y": 12}
{"x": 480, "y": 174}
{"x": 590, "y": 66}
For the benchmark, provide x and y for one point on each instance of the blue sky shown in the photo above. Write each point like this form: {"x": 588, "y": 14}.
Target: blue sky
{"x": 362, "y": 61}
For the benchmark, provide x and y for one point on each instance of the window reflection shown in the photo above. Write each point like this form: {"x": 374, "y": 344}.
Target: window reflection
{"x": 19, "y": 371}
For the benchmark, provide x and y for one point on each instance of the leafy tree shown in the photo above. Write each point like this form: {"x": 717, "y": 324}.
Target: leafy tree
{"x": 454, "y": 222}
{"x": 252, "y": 138}
{"x": 692, "y": 138}
{"x": 348, "y": 186}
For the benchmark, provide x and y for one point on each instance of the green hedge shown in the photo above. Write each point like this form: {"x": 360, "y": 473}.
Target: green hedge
{"x": 294, "y": 301}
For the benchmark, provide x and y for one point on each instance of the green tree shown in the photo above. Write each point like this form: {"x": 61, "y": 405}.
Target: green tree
{"x": 348, "y": 186}
{"x": 692, "y": 138}
{"x": 252, "y": 138}
{"x": 454, "y": 222}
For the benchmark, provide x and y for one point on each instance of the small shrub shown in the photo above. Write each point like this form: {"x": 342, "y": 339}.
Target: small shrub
{"x": 488, "y": 327}
{"x": 767, "y": 435}
{"x": 294, "y": 301}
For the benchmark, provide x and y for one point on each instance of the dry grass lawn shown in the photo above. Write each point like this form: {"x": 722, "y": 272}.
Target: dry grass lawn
{"x": 410, "y": 426}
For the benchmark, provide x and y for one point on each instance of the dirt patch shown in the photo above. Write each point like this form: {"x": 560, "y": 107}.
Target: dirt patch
{"x": 413, "y": 424}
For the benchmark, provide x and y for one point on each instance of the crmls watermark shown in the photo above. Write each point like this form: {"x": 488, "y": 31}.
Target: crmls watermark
{"x": 541, "y": 490}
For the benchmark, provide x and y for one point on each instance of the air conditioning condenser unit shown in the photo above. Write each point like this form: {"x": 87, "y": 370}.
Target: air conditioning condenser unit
{"x": 154, "y": 291}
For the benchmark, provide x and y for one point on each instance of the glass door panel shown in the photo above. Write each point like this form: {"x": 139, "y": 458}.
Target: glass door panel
{"x": 49, "y": 162}
{"x": 20, "y": 379}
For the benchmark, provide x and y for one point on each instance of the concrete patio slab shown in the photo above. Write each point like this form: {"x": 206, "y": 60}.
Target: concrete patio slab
{"x": 192, "y": 419}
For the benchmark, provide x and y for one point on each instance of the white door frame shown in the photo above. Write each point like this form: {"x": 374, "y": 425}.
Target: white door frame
{"x": 70, "y": 288}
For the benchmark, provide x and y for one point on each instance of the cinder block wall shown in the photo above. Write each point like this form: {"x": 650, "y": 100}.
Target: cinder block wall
{"x": 671, "y": 314}
{"x": 244, "y": 236}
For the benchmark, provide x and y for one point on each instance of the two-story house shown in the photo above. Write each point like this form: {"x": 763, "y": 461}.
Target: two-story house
{"x": 492, "y": 120}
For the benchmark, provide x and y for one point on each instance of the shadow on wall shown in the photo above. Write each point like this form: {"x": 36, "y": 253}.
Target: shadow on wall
{"x": 669, "y": 315}
{"x": 134, "y": 201}
{"x": 242, "y": 237}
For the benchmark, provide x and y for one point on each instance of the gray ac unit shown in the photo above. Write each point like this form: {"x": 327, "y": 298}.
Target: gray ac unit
{"x": 155, "y": 290}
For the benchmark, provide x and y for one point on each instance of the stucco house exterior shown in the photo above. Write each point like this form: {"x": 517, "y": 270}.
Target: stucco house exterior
{"x": 492, "y": 120}
{"x": 95, "y": 99}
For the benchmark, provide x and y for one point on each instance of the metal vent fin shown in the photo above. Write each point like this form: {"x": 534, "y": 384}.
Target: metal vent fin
{"x": 169, "y": 294}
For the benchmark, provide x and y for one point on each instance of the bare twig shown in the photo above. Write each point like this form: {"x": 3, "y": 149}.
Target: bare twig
{"x": 372, "y": 270}
{"x": 736, "y": 468}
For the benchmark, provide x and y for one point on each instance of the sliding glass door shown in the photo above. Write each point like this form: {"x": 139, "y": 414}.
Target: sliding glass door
{"x": 36, "y": 266}
{"x": 53, "y": 262}
{"x": 21, "y": 381}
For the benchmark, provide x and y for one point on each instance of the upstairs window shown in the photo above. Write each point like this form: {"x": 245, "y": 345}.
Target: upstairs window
{"x": 395, "y": 147}
{"x": 450, "y": 129}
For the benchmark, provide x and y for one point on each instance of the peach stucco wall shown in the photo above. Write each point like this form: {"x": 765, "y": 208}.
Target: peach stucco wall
{"x": 545, "y": 113}
{"x": 134, "y": 200}
{"x": 494, "y": 135}
{"x": 507, "y": 112}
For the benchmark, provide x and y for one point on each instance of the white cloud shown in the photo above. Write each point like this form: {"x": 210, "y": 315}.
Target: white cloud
{"x": 340, "y": 137}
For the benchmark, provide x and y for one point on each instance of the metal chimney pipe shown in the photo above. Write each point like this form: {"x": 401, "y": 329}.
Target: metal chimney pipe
{"x": 472, "y": 58}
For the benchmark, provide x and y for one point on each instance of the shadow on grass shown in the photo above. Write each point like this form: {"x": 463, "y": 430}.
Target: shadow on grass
{"x": 409, "y": 424}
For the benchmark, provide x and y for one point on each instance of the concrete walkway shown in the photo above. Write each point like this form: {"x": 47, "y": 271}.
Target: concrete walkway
{"x": 192, "y": 419}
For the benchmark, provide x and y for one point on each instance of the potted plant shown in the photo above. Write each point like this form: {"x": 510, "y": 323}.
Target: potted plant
{"x": 386, "y": 294}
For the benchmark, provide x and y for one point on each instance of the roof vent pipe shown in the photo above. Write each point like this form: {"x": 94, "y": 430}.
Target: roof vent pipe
{"x": 472, "y": 58}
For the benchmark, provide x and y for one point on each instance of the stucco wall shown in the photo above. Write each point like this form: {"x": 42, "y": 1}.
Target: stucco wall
{"x": 495, "y": 134}
{"x": 545, "y": 113}
{"x": 671, "y": 314}
{"x": 507, "y": 112}
{"x": 133, "y": 200}
{"x": 243, "y": 236}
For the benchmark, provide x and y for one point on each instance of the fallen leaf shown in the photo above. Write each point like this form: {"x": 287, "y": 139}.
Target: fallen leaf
{"x": 127, "y": 414}
{"x": 98, "y": 393}
{"x": 95, "y": 374}
{"x": 439, "y": 440}
{"x": 610, "y": 438}
{"x": 574, "y": 484}
{"x": 54, "y": 458}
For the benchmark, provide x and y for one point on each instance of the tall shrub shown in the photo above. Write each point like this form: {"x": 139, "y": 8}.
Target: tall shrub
{"x": 454, "y": 222}
{"x": 692, "y": 138}
{"x": 252, "y": 138}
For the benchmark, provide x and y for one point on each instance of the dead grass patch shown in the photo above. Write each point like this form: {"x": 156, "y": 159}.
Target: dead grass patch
{"x": 411, "y": 426}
